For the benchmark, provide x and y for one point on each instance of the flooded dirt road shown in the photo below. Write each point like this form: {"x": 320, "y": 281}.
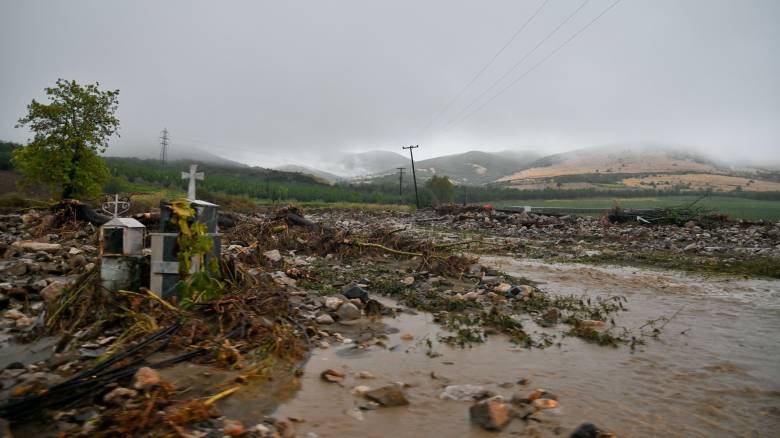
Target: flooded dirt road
{"x": 714, "y": 370}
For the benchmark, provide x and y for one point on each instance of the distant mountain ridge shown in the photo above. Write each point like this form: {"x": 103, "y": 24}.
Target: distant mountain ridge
{"x": 623, "y": 166}
{"x": 660, "y": 167}
{"x": 468, "y": 168}
{"x": 174, "y": 154}
{"x": 326, "y": 176}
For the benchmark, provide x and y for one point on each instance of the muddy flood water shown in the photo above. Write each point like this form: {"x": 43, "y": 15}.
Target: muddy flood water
{"x": 714, "y": 370}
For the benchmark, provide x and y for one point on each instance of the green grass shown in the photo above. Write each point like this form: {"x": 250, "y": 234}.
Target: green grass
{"x": 737, "y": 208}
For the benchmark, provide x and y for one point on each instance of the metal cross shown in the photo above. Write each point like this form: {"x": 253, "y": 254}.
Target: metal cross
{"x": 119, "y": 207}
{"x": 192, "y": 175}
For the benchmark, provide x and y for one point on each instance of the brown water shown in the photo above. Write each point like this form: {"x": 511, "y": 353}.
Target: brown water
{"x": 715, "y": 371}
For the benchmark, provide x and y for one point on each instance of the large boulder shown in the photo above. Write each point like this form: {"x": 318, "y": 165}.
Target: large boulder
{"x": 390, "y": 395}
{"x": 491, "y": 414}
{"x": 348, "y": 312}
{"x": 356, "y": 292}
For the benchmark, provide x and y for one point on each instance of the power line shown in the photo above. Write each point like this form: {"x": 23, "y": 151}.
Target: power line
{"x": 518, "y": 63}
{"x": 485, "y": 67}
{"x": 535, "y": 66}
{"x": 164, "y": 141}
{"x": 414, "y": 175}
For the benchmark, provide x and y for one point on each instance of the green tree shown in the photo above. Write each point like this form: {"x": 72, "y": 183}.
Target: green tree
{"x": 441, "y": 188}
{"x": 69, "y": 132}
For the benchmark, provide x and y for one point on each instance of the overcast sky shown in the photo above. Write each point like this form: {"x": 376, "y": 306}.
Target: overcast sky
{"x": 270, "y": 81}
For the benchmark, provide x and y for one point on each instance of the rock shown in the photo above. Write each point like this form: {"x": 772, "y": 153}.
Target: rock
{"x": 118, "y": 396}
{"x": 5, "y": 301}
{"x": 521, "y": 291}
{"x": 475, "y": 269}
{"x": 333, "y": 303}
{"x": 356, "y": 292}
{"x": 364, "y": 375}
{"x": 536, "y": 394}
{"x": 360, "y": 390}
{"x": 465, "y": 393}
{"x": 690, "y": 247}
{"x": 502, "y": 288}
{"x": 15, "y": 270}
{"x": 491, "y": 414}
{"x": 357, "y": 414}
{"x": 73, "y": 251}
{"x": 31, "y": 246}
{"x": 77, "y": 261}
{"x": 407, "y": 337}
{"x": 18, "y": 293}
{"x": 146, "y": 377}
{"x": 14, "y": 314}
{"x": 591, "y": 324}
{"x": 407, "y": 281}
{"x": 590, "y": 430}
{"x": 332, "y": 376}
{"x": 390, "y": 395}
{"x": 545, "y": 403}
{"x": 24, "y": 322}
{"x": 233, "y": 427}
{"x": 324, "y": 319}
{"x": 273, "y": 255}
{"x": 374, "y": 308}
{"x": 348, "y": 312}
{"x": 471, "y": 296}
{"x": 261, "y": 430}
{"x": 285, "y": 428}
{"x": 53, "y": 291}
{"x": 282, "y": 279}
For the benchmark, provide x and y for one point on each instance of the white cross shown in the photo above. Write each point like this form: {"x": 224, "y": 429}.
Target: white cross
{"x": 117, "y": 204}
{"x": 192, "y": 175}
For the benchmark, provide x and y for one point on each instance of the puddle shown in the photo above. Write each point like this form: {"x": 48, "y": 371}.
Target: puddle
{"x": 28, "y": 353}
{"x": 715, "y": 371}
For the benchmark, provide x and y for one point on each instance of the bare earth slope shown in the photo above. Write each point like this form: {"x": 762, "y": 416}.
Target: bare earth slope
{"x": 636, "y": 167}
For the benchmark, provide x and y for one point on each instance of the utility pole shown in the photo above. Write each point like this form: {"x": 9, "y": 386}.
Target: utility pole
{"x": 164, "y": 146}
{"x": 414, "y": 175}
{"x": 401, "y": 184}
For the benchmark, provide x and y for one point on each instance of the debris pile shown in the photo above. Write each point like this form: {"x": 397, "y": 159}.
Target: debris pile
{"x": 293, "y": 282}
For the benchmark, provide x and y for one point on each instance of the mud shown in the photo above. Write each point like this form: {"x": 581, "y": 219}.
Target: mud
{"x": 713, "y": 371}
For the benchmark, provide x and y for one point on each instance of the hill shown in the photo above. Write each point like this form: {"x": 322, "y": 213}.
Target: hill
{"x": 305, "y": 170}
{"x": 468, "y": 168}
{"x": 638, "y": 166}
{"x": 174, "y": 154}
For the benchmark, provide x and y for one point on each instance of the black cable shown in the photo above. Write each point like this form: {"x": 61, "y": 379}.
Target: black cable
{"x": 485, "y": 67}
{"x": 518, "y": 63}
{"x": 535, "y": 66}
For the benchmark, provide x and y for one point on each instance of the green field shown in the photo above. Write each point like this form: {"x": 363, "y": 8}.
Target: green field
{"x": 736, "y": 208}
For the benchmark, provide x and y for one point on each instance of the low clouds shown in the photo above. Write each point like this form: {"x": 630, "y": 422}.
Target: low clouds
{"x": 269, "y": 82}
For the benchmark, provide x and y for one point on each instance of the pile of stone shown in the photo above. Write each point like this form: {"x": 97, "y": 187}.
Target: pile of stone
{"x": 38, "y": 264}
{"x": 584, "y": 233}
